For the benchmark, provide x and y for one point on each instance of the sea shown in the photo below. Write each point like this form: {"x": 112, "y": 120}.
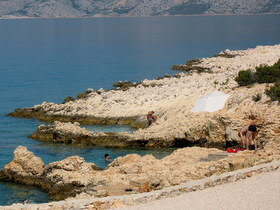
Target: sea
{"x": 50, "y": 59}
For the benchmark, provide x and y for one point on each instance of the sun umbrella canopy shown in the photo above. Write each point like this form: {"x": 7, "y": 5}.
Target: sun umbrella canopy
{"x": 211, "y": 102}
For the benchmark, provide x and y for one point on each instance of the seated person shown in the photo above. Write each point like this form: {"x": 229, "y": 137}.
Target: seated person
{"x": 151, "y": 118}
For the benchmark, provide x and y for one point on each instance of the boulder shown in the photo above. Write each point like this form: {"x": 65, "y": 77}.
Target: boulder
{"x": 25, "y": 168}
{"x": 68, "y": 177}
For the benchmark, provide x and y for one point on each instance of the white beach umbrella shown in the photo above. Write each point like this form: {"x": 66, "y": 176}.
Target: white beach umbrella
{"x": 211, "y": 102}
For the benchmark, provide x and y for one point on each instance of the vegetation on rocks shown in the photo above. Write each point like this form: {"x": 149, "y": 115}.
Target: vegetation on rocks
{"x": 245, "y": 78}
{"x": 274, "y": 92}
{"x": 173, "y": 99}
{"x": 263, "y": 74}
{"x": 226, "y": 54}
{"x": 79, "y": 96}
{"x": 268, "y": 74}
{"x": 124, "y": 85}
{"x": 192, "y": 65}
{"x": 67, "y": 99}
{"x": 257, "y": 97}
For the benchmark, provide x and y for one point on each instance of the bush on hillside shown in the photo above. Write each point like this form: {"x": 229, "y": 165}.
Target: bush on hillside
{"x": 263, "y": 74}
{"x": 245, "y": 78}
{"x": 67, "y": 99}
{"x": 274, "y": 92}
{"x": 268, "y": 74}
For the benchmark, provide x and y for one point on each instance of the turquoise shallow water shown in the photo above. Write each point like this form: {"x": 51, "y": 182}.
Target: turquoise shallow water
{"x": 49, "y": 59}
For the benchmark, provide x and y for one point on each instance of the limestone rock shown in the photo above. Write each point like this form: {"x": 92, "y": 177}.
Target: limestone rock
{"x": 68, "y": 177}
{"x": 26, "y": 167}
{"x": 132, "y": 173}
{"x": 173, "y": 98}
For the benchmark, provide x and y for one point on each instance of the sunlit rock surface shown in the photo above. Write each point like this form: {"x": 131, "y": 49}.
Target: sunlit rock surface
{"x": 172, "y": 99}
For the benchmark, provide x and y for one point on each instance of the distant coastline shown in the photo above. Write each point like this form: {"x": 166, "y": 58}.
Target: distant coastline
{"x": 145, "y": 16}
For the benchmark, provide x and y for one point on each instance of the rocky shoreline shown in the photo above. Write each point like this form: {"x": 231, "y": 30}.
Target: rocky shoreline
{"x": 72, "y": 133}
{"x": 143, "y": 198}
{"x": 172, "y": 98}
{"x": 135, "y": 121}
{"x": 73, "y": 177}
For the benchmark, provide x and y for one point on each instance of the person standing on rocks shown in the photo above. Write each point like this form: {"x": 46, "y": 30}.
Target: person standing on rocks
{"x": 246, "y": 134}
{"x": 151, "y": 118}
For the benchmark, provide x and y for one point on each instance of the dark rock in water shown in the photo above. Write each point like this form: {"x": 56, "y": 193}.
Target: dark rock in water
{"x": 27, "y": 113}
{"x": 3, "y": 176}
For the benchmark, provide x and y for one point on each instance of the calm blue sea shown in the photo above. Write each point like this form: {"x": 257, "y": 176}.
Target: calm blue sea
{"x": 49, "y": 59}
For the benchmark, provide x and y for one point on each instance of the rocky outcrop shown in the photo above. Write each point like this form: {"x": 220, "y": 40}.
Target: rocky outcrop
{"x": 217, "y": 129}
{"x": 172, "y": 99}
{"x": 194, "y": 64}
{"x": 72, "y": 133}
{"x": 86, "y": 202}
{"x": 25, "y": 168}
{"x": 68, "y": 177}
{"x": 132, "y": 173}
{"x": 38, "y": 113}
{"x": 60, "y": 179}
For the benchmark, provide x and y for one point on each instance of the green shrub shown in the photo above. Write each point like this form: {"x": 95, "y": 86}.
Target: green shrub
{"x": 67, "y": 99}
{"x": 264, "y": 74}
{"x": 225, "y": 82}
{"x": 274, "y": 92}
{"x": 245, "y": 78}
{"x": 257, "y": 97}
{"x": 268, "y": 74}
